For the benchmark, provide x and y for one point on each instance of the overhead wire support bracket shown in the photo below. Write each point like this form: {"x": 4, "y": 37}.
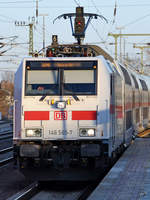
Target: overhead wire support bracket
{"x": 115, "y": 36}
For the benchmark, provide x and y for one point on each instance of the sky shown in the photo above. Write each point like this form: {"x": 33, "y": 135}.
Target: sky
{"x": 132, "y": 16}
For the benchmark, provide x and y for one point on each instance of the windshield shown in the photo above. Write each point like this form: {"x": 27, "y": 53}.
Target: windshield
{"x": 61, "y": 78}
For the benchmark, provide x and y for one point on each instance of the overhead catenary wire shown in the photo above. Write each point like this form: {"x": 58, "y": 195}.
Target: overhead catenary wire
{"x": 98, "y": 34}
{"x": 98, "y": 11}
{"x": 8, "y": 19}
{"x": 96, "y": 7}
{"x": 113, "y": 21}
{"x": 77, "y": 3}
{"x": 12, "y": 21}
{"x": 14, "y": 2}
{"x": 96, "y": 31}
{"x": 5, "y": 21}
{"x": 136, "y": 20}
{"x": 47, "y": 32}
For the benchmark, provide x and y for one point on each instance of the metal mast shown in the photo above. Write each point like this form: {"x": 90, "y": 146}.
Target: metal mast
{"x": 44, "y": 15}
{"x": 30, "y": 24}
{"x": 142, "y": 52}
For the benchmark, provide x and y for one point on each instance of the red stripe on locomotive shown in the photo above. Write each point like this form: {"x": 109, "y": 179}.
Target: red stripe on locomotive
{"x": 36, "y": 115}
{"x": 84, "y": 115}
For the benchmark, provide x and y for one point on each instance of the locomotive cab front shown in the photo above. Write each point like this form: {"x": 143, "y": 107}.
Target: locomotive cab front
{"x": 62, "y": 117}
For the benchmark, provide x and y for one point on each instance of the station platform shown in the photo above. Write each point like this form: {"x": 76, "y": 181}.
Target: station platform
{"x": 129, "y": 179}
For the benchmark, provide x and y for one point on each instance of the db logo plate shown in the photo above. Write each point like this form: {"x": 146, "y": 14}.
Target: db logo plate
{"x": 60, "y": 115}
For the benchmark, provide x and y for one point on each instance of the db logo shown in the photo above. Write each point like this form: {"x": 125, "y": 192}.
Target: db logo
{"x": 60, "y": 115}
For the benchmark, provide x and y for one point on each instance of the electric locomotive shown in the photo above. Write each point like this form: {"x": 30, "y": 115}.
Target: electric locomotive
{"x": 74, "y": 111}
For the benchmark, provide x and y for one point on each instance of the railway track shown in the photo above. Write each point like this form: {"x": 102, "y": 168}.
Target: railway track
{"x": 6, "y": 161}
{"x": 26, "y": 193}
{"x": 5, "y": 126}
{"x": 6, "y": 143}
{"x": 6, "y": 150}
{"x": 6, "y": 156}
{"x": 6, "y": 135}
{"x": 34, "y": 192}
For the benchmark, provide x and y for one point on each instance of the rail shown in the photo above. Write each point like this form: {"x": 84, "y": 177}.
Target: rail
{"x": 6, "y": 161}
{"x": 6, "y": 150}
{"x": 26, "y": 193}
{"x": 6, "y": 135}
{"x": 5, "y": 126}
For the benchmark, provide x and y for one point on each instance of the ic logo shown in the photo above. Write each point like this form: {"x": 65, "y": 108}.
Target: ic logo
{"x": 60, "y": 115}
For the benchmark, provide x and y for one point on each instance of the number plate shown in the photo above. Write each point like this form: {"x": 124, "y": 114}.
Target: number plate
{"x": 60, "y": 132}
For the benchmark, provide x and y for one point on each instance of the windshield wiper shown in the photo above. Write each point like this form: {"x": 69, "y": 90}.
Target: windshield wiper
{"x": 75, "y": 97}
{"x": 42, "y": 98}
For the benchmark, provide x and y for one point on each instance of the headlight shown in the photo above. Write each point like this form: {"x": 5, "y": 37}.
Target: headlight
{"x": 33, "y": 132}
{"x": 91, "y": 132}
{"x": 87, "y": 132}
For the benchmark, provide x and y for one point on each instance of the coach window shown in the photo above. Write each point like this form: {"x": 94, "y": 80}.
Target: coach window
{"x": 145, "y": 113}
{"x": 126, "y": 76}
{"x": 135, "y": 81}
{"x": 137, "y": 115}
{"x": 144, "y": 86}
{"x": 128, "y": 120}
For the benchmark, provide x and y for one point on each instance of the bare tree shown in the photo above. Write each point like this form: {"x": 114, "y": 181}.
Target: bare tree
{"x": 8, "y": 76}
{"x": 6, "y": 92}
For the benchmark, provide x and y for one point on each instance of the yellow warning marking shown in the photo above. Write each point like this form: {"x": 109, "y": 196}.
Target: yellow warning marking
{"x": 144, "y": 133}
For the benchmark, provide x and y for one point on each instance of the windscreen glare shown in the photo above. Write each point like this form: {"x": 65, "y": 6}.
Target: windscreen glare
{"x": 61, "y": 78}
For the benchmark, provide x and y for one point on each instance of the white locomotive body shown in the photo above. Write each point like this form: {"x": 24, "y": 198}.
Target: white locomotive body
{"x": 73, "y": 115}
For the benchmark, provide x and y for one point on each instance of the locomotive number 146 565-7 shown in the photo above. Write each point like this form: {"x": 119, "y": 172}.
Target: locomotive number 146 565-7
{"x": 60, "y": 132}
